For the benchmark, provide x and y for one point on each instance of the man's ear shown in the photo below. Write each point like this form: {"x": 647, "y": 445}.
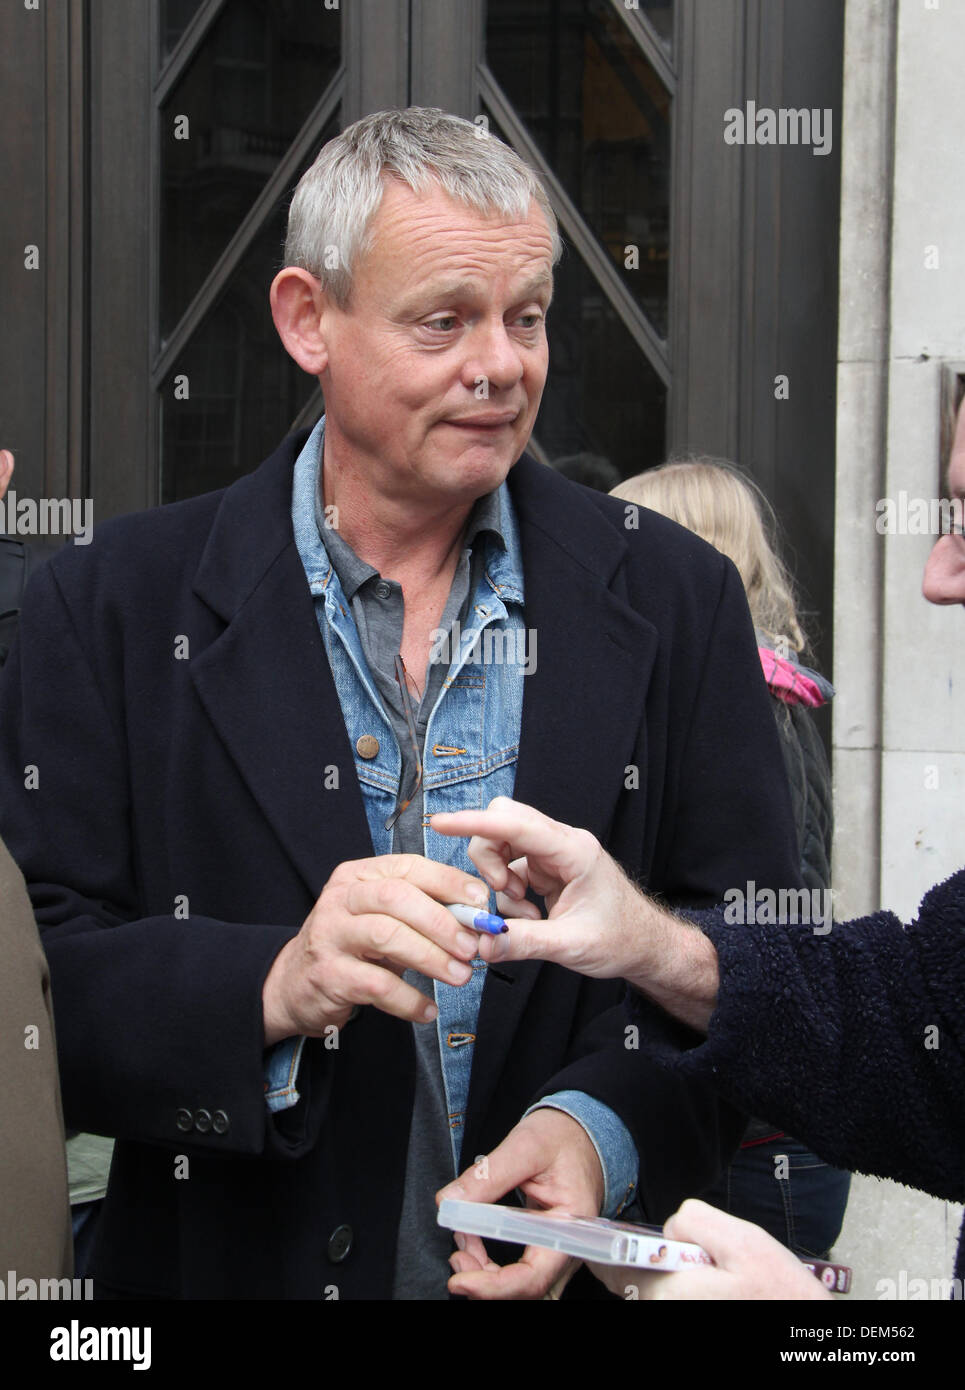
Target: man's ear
{"x": 298, "y": 306}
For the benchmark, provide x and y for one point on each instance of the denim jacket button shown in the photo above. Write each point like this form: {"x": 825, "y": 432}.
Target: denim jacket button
{"x": 367, "y": 746}
{"x": 340, "y": 1243}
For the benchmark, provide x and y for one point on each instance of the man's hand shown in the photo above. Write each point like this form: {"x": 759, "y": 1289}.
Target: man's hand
{"x": 550, "y": 1157}
{"x": 374, "y": 919}
{"x": 595, "y": 913}
{"x": 599, "y": 923}
{"x": 748, "y": 1263}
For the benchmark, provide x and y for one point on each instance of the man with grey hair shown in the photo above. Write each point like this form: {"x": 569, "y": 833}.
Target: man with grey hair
{"x": 260, "y": 990}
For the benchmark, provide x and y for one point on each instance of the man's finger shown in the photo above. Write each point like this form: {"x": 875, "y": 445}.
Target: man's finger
{"x": 443, "y": 882}
{"x": 531, "y": 1277}
{"x": 386, "y": 908}
{"x": 371, "y": 984}
{"x": 395, "y": 946}
{"x": 513, "y": 1162}
{"x": 509, "y": 907}
{"x": 539, "y": 939}
{"x": 525, "y": 830}
{"x": 493, "y": 858}
{"x": 709, "y": 1227}
{"x": 471, "y": 1256}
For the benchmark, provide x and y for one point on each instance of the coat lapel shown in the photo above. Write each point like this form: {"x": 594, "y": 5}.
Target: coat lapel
{"x": 265, "y": 682}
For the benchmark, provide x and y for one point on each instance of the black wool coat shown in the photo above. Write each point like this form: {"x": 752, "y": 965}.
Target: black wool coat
{"x": 171, "y": 689}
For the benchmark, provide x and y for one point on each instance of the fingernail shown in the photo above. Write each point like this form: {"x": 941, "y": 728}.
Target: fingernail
{"x": 460, "y": 1240}
{"x": 430, "y": 1013}
{"x": 476, "y": 892}
{"x": 467, "y": 941}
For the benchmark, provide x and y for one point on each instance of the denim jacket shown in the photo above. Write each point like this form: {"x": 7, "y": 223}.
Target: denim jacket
{"x": 471, "y": 746}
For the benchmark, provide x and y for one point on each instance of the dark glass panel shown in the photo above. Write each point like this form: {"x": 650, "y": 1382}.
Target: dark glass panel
{"x": 660, "y": 15}
{"x": 176, "y": 15}
{"x": 601, "y": 118}
{"x": 244, "y": 389}
{"x": 260, "y": 70}
{"x": 602, "y": 396}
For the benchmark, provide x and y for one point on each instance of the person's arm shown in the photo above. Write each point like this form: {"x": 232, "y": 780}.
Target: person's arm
{"x": 853, "y": 1039}
{"x": 819, "y": 1030}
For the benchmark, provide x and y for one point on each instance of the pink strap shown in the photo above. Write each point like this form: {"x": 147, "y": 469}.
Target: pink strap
{"x": 787, "y": 681}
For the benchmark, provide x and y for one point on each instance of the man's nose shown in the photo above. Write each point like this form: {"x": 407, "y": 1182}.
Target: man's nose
{"x": 944, "y": 579}
{"x": 494, "y": 357}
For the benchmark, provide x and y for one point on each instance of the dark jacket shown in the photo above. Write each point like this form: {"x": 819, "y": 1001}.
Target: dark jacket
{"x": 170, "y": 784}
{"x": 809, "y": 778}
{"x": 854, "y": 1041}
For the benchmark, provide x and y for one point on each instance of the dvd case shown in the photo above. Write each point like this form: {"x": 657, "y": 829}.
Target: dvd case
{"x": 586, "y": 1237}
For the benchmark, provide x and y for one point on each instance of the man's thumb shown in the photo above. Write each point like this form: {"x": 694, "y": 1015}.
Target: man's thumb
{"x": 702, "y": 1224}
{"x": 489, "y": 1177}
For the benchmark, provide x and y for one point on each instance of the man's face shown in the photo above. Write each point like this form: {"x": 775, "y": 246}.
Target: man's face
{"x": 944, "y": 580}
{"x": 436, "y": 367}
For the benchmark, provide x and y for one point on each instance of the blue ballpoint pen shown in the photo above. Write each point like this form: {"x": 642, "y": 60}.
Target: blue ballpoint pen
{"x": 477, "y": 919}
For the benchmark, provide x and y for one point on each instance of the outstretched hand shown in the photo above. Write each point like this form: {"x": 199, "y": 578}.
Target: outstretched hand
{"x": 748, "y": 1263}
{"x": 594, "y": 912}
{"x": 598, "y": 922}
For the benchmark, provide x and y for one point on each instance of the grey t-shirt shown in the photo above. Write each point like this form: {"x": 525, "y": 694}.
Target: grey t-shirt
{"x": 423, "y": 1249}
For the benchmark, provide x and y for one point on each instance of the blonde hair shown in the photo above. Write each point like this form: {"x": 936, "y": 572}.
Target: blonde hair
{"x": 714, "y": 499}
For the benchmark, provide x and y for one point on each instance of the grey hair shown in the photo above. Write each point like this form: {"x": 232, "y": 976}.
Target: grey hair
{"x": 330, "y": 218}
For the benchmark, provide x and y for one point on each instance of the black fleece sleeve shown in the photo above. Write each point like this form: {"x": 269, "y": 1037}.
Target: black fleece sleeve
{"x": 853, "y": 1039}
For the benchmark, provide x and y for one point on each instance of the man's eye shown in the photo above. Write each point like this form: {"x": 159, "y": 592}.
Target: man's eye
{"x": 443, "y": 324}
{"x": 529, "y": 320}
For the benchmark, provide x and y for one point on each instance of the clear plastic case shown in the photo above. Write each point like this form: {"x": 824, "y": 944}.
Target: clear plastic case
{"x": 588, "y": 1238}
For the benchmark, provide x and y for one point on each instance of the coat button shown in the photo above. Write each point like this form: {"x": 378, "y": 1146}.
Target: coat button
{"x": 367, "y": 746}
{"x": 339, "y": 1244}
{"x": 202, "y": 1121}
{"x": 220, "y": 1122}
{"x": 185, "y": 1121}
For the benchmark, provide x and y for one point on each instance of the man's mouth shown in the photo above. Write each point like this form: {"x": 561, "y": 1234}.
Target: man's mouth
{"x": 484, "y": 422}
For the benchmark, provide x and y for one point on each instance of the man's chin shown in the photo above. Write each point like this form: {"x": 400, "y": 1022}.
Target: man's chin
{"x": 475, "y": 471}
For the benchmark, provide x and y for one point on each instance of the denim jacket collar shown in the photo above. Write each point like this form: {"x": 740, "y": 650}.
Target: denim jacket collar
{"x": 504, "y": 564}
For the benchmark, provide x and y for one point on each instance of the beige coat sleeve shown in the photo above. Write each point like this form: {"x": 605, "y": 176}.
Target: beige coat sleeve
{"x": 35, "y": 1233}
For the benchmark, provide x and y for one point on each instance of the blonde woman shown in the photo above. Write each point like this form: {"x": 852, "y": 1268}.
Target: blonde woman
{"x": 805, "y": 1207}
